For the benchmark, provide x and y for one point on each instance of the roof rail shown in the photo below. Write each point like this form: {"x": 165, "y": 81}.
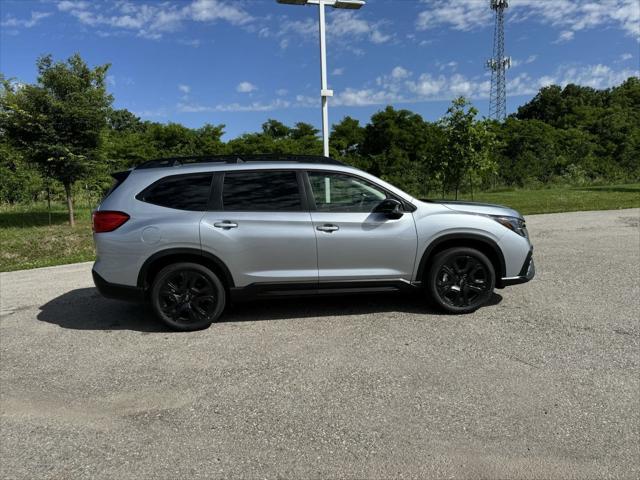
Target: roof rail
{"x": 274, "y": 157}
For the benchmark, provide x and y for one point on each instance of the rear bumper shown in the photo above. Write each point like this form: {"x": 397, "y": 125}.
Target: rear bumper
{"x": 115, "y": 291}
{"x": 527, "y": 272}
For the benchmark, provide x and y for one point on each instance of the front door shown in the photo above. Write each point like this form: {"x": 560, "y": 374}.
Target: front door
{"x": 261, "y": 229}
{"x": 354, "y": 243}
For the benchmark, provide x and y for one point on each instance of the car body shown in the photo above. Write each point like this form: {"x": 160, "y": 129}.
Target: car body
{"x": 276, "y": 225}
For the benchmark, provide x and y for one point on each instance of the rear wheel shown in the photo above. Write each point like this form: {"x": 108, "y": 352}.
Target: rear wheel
{"x": 461, "y": 280}
{"x": 187, "y": 296}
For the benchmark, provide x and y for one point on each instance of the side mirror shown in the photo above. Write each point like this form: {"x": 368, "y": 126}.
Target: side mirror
{"x": 390, "y": 207}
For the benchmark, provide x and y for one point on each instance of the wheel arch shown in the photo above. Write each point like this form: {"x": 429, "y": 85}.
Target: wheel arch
{"x": 161, "y": 259}
{"x": 481, "y": 243}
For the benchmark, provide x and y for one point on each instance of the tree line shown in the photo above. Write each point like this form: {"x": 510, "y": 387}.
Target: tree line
{"x": 60, "y": 137}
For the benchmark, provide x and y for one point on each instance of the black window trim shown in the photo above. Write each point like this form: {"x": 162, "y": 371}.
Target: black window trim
{"x": 140, "y": 195}
{"x": 302, "y": 191}
{"x": 407, "y": 206}
{"x": 215, "y": 203}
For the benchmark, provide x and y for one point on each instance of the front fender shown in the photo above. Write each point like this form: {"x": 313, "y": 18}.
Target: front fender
{"x": 436, "y": 229}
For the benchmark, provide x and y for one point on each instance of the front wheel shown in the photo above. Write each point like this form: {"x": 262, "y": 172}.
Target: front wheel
{"x": 461, "y": 280}
{"x": 187, "y": 296}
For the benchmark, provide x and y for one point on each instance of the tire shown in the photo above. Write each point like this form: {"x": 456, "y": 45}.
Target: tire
{"x": 460, "y": 280}
{"x": 187, "y": 296}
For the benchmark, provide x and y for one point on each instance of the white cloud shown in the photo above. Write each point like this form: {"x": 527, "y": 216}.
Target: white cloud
{"x": 337, "y": 72}
{"x": 281, "y": 92}
{"x": 151, "y": 113}
{"x": 35, "y": 18}
{"x": 626, "y": 56}
{"x": 236, "y": 107}
{"x": 246, "y": 87}
{"x": 211, "y": 10}
{"x": 190, "y": 43}
{"x": 460, "y": 15}
{"x": 516, "y": 62}
{"x": 452, "y": 65}
{"x": 428, "y": 87}
{"x": 399, "y": 73}
{"x": 341, "y": 25}
{"x": 378, "y": 37}
{"x": 67, "y": 5}
{"x": 111, "y": 80}
{"x": 186, "y": 89}
{"x": 304, "y": 28}
{"x": 152, "y": 20}
{"x": 568, "y": 15}
{"x": 596, "y": 76}
{"x": 565, "y": 36}
{"x": 362, "y": 97}
{"x": 350, "y": 24}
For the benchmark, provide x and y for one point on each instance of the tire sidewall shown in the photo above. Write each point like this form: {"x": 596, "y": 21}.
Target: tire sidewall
{"x": 440, "y": 259}
{"x": 170, "y": 270}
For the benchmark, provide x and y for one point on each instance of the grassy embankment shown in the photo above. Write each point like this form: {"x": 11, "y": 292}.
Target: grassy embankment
{"x": 28, "y": 241}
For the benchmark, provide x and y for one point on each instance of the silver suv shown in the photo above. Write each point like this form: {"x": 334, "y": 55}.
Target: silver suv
{"x": 189, "y": 235}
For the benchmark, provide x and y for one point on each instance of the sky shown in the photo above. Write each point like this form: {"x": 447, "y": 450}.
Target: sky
{"x": 241, "y": 62}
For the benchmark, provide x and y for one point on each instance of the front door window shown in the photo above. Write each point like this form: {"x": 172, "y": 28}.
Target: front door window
{"x": 334, "y": 192}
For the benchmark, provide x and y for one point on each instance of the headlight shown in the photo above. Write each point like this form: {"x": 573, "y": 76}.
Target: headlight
{"x": 513, "y": 223}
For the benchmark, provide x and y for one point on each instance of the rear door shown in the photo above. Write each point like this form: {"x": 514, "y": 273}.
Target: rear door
{"x": 354, "y": 243}
{"x": 260, "y": 227}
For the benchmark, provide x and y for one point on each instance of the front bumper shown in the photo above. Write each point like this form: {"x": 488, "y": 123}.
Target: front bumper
{"x": 115, "y": 291}
{"x": 527, "y": 272}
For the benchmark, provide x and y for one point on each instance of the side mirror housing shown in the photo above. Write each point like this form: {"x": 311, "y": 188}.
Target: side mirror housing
{"x": 390, "y": 207}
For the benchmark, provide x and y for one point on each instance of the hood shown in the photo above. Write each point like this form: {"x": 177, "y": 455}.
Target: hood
{"x": 477, "y": 207}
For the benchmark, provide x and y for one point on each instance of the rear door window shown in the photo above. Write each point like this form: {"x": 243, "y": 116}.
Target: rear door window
{"x": 183, "y": 192}
{"x": 262, "y": 191}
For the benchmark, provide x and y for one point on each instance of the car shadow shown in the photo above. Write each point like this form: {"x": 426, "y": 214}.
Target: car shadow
{"x": 86, "y": 309}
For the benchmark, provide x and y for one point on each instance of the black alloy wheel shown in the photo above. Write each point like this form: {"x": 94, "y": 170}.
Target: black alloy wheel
{"x": 461, "y": 280}
{"x": 187, "y": 296}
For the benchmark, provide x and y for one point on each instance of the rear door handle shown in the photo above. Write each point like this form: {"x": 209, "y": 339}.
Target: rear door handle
{"x": 328, "y": 228}
{"x": 225, "y": 224}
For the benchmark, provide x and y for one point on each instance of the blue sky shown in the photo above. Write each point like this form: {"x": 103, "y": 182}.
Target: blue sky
{"x": 239, "y": 62}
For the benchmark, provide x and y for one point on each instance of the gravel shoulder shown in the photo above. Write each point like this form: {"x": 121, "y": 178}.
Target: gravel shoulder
{"x": 544, "y": 383}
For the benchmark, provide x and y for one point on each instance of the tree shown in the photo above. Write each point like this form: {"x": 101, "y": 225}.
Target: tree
{"x": 399, "y": 146}
{"x": 276, "y": 137}
{"x": 468, "y": 144}
{"x": 19, "y": 182}
{"x": 123, "y": 121}
{"x": 57, "y": 123}
{"x": 345, "y": 142}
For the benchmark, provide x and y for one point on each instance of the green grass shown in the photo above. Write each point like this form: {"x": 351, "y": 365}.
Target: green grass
{"x": 27, "y": 240}
{"x": 564, "y": 199}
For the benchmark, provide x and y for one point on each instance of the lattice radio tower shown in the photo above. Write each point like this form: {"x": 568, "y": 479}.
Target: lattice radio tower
{"x": 498, "y": 64}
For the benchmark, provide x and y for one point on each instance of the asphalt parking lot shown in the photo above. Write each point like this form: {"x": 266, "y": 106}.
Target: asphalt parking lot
{"x": 544, "y": 383}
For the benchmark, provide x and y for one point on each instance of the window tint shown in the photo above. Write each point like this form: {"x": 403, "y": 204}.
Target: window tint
{"x": 261, "y": 191}
{"x": 334, "y": 192}
{"x": 185, "y": 192}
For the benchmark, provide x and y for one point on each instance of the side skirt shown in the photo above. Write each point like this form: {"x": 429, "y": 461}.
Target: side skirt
{"x": 305, "y": 289}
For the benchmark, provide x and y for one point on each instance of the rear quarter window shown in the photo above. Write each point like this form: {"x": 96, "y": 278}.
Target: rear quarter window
{"x": 182, "y": 192}
{"x": 118, "y": 179}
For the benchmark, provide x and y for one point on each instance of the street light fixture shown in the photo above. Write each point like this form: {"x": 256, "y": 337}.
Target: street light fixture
{"x": 325, "y": 93}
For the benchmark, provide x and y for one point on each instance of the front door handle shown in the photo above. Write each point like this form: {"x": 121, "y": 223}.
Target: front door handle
{"x": 328, "y": 228}
{"x": 225, "y": 224}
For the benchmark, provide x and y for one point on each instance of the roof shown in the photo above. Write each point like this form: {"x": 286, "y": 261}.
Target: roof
{"x": 238, "y": 159}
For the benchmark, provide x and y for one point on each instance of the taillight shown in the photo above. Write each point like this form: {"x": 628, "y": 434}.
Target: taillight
{"x": 107, "y": 221}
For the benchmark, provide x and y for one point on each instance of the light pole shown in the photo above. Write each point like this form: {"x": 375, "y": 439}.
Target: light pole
{"x": 325, "y": 93}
